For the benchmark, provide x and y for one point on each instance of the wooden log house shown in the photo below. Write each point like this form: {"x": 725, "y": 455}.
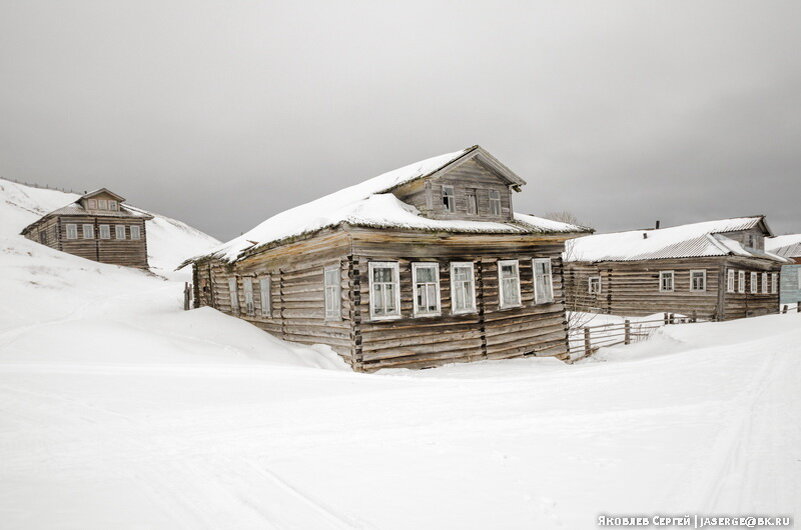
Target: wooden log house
{"x": 421, "y": 266}
{"x": 98, "y": 226}
{"x": 789, "y": 247}
{"x": 716, "y": 270}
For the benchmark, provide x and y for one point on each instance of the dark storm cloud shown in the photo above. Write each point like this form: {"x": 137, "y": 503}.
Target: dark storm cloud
{"x": 224, "y": 113}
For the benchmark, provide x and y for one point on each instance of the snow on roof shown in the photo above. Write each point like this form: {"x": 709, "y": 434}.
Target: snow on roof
{"x": 691, "y": 240}
{"x": 788, "y": 246}
{"x": 369, "y": 204}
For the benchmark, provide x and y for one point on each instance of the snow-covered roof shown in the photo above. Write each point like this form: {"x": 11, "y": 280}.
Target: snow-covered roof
{"x": 370, "y": 204}
{"x": 75, "y": 209}
{"x": 98, "y": 191}
{"x": 788, "y": 246}
{"x": 685, "y": 241}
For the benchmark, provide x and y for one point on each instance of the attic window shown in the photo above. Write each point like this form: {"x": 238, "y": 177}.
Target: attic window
{"x": 495, "y": 202}
{"x": 448, "y": 199}
{"x": 92, "y": 204}
{"x": 112, "y": 205}
{"x": 102, "y": 204}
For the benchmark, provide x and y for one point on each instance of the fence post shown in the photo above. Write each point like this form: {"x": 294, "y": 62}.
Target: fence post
{"x": 667, "y": 321}
{"x": 187, "y": 295}
{"x": 672, "y": 318}
{"x": 798, "y": 307}
{"x": 694, "y": 317}
{"x": 627, "y": 332}
{"x": 587, "y": 345}
{"x": 784, "y": 309}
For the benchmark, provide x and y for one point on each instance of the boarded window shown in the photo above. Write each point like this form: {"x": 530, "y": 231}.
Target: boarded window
{"x": 135, "y": 232}
{"x": 119, "y": 231}
{"x": 730, "y": 281}
{"x": 88, "y": 231}
{"x": 741, "y": 281}
{"x": 764, "y": 283}
{"x": 666, "y": 281}
{"x": 265, "y": 294}
{"x": 448, "y": 198}
{"x": 384, "y": 290}
{"x": 509, "y": 282}
{"x": 425, "y": 279}
{"x": 495, "y": 202}
{"x": 543, "y": 281}
{"x": 698, "y": 280}
{"x": 774, "y": 283}
{"x": 333, "y": 296}
{"x": 247, "y": 289}
{"x": 754, "y": 283}
{"x": 594, "y": 285}
{"x": 472, "y": 201}
{"x": 233, "y": 291}
{"x": 72, "y": 231}
{"x": 105, "y": 232}
{"x": 463, "y": 294}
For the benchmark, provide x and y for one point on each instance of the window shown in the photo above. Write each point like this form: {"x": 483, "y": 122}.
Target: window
{"x": 764, "y": 283}
{"x": 72, "y": 231}
{"x": 448, "y": 199}
{"x": 754, "y": 283}
{"x": 247, "y": 287}
{"x": 698, "y": 280}
{"x": 88, "y": 231}
{"x": 740, "y": 281}
{"x": 92, "y": 204}
{"x": 135, "y": 232}
{"x": 730, "y": 281}
{"x": 594, "y": 285}
{"x": 774, "y": 283}
{"x": 543, "y": 281}
{"x": 43, "y": 237}
{"x": 425, "y": 279}
{"x": 233, "y": 292}
{"x": 265, "y": 296}
{"x": 509, "y": 283}
{"x": 102, "y": 204}
{"x": 472, "y": 202}
{"x": 750, "y": 241}
{"x": 463, "y": 292}
{"x": 495, "y": 202}
{"x": 112, "y": 205}
{"x": 384, "y": 290}
{"x": 666, "y": 281}
{"x": 105, "y": 232}
{"x": 119, "y": 231}
{"x": 332, "y": 293}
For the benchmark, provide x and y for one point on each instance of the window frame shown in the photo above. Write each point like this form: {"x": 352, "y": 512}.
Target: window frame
{"x": 91, "y": 204}
{"x": 672, "y": 282}
{"x": 501, "y": 264}
{"x": 233, "y": 294}
{"x": 112, "y": 205}
{"x": 138, "y": 230}
{"x": 104, "y": 231}
{"x": 549, "y": 275}
{"x": 754, "y": 279}
{"x": 774, "y": 283}
{"x": 117, "y": 230}
{"x": 265, "y": 296}
{"x": 692, "y": 282}
{"x": 69, "y": 228}
{"x": 416, "y": 308}
{"x": 731, "y": 284}
{"x": 765, "y": 283}
{"x": 102, "y": 204}
{"x": 88, "y": 228}
{"x": 395, "y": 267}
{"x": 247, "y": 292}
{"x": 589, "y": 285}
{"x": 335, "y": 313}
{"x": 450, "y": 204}
{"x": 740, "y": 282}
{"x": 494, "y": 201}
{"x": 452, "y": 269}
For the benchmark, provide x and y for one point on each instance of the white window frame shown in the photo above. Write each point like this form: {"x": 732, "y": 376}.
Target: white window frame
{"x": 590, "y": 281}
{"x": 247, "y": 290}
{"x": 88, "y": 229}
{"x": 333, "y": 293}
{"x": 494, "y": 198}
{"x": 765, "y": 283}
{"x": 741, "y": 282}
{"x": 105, "y": 231}
{"x": 112, "y": 205}
{"x": 471, "y": 308}
{"x": 703, "y": 280}
{"x": 72, "y": 231}
{"x": 102, "y": 204}
{"x": 233, "y": 292}
{"x": 538, "y": 296}
{"x": 265, "y": 296}
{"x": 730, "y": 284}
{"x": 754, "y": 277}
{"x": 92, "y": 204}
{"x": 119, "y": 230}
{"x": 774, "y": 282}
{"x": 136, "y": 232}
{"x": 672, "y": 281}
{"x": 501, "y": 264}
{"x": 418, "y": 311}
{"x": 449, "y": 193}
{"x": 393, "y": 265}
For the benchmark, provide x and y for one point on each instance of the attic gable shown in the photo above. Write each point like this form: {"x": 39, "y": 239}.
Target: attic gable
{"x": 103, "y": 191}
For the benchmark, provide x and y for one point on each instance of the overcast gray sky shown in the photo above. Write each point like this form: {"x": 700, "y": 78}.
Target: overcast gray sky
{"x": 224, "y": 113}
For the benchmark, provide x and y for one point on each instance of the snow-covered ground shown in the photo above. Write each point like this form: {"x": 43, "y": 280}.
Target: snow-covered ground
{"x": 120, "y": 410}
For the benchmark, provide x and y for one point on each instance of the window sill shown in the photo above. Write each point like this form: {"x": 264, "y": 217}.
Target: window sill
{"x": 385, "y": 318}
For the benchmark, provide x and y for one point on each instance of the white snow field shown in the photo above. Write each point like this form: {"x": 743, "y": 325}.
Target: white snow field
{"x": 118, "y": 410}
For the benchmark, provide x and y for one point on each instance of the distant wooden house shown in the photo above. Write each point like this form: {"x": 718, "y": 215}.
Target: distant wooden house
{"x": 98, "y": 226}
{"x": 788, "y": 247}
{"x": 421, "y": 266}
{"x": 716, "y": 270}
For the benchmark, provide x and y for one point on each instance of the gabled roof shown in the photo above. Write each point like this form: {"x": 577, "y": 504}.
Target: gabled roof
{"x": 119, "y": 198}
{"x": 76, "y": 209}
{"x": 685, "y": 241}
{"x": 787, "y": 246}
{"x": 370, "y": 204}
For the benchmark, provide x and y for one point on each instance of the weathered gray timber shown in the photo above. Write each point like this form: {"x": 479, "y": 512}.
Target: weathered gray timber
{"x": 99, "y": 227}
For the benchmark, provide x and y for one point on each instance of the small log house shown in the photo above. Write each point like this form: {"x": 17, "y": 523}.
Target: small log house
{"x": 788, "y": 247}
{"x": 715, "y": 270}
{"x": 98, "y": 226}
{"x": 421, "y": 266}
